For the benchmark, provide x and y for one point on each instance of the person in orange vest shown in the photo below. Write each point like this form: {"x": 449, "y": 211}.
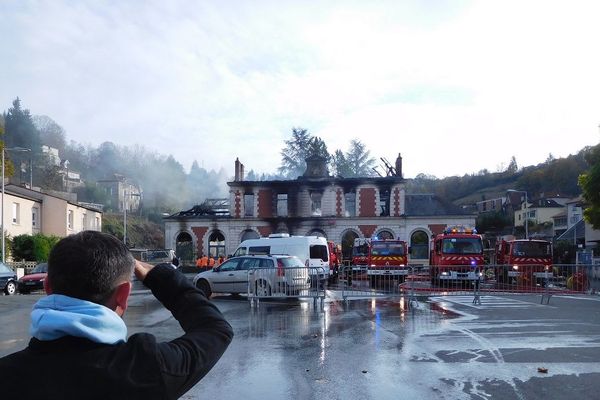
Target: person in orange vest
{"x": 198, "y": 262}
{"x": 211, "y": 262}
{"x": 203, "y": 262}
{"x": 220, "y": 260}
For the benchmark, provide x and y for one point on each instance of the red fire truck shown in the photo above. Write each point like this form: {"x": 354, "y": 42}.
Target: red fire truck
{"x": 383, "y": 259}
{"x": 456, "y": 255}
{"x": 524, "y": 260}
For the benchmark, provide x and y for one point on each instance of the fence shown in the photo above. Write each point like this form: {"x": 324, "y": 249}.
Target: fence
{"x": 413, "y": 281}
{"x": 27, "y": 266}
{"x": 289, "y": 282}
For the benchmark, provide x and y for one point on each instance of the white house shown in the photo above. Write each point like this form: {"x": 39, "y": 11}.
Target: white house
{"x": 26, "y": 211}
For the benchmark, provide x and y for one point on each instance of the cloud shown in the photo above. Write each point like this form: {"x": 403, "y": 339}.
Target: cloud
{"x": 455, "y": 87}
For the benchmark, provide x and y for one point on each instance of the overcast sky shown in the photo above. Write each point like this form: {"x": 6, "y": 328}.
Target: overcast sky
{"x": 454, "y": 86}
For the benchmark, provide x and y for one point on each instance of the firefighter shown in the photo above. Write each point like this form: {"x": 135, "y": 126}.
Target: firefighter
{"x": 203, "y": 262}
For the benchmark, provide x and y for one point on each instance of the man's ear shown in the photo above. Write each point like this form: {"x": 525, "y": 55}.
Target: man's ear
{"x": 119, "y": 298}
{"x": 47, "y": 286}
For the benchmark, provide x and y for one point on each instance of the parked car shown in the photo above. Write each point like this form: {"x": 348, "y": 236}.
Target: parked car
{"x": 155, "y": 256}
{"x": 8, "y": 279}
{"x": 33, "y": 280}
{"x": 262, "y": 275}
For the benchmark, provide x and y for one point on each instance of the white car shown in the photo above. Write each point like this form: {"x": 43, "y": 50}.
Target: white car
{"x": 259, "y": 275}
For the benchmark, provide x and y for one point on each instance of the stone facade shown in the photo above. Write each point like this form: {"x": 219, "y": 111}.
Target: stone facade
{"x": 336, "y": 208}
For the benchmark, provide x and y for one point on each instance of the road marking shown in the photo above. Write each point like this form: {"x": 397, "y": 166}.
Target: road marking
{"x": 487, "y": 302}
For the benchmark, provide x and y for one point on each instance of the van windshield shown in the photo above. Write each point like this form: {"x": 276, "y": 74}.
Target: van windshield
{"x": 259, "y": 250}
{"x": 319, "y": 251}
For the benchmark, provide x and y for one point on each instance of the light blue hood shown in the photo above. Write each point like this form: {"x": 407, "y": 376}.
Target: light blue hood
{"x": 56, "y": 316}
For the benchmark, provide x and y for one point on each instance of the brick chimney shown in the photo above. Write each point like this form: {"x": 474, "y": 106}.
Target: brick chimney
{"x": 399, "y": 166}
{"x": 239, "y": 171}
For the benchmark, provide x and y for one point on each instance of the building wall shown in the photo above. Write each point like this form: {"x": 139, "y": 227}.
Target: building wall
{"x": 24, "y": 221}
{"x": 367, "y": 199}
{"x": 545, "y": 214}
{"x": 54, "y": 216}
{"x": 334, "y": 229}
{"x": 332, "y": 221}
{"x": 264, "y": 203}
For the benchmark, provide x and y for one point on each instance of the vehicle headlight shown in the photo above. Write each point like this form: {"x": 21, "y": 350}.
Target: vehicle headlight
{"x": 445, "y": 273}
{"x": 516, "y": 267}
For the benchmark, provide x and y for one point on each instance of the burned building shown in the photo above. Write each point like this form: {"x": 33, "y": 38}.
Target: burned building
{"x": 340, "y": 209}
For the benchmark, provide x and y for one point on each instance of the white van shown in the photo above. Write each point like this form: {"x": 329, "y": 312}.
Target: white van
{"x": 311, "y": 250}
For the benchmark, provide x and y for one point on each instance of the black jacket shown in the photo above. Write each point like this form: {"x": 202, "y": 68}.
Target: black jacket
{"x": 76, "y": 368}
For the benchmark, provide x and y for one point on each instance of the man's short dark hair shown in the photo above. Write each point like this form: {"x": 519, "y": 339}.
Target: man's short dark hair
{"x": 89, "y": 265}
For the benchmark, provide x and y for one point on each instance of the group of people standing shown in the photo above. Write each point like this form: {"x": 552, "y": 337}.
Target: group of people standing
{"x": 205, "y": 262}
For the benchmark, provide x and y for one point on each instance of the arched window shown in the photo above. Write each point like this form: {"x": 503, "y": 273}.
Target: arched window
{"x": 216, "y": 244}
{"x": 184, "y": 249}
{"x": 317, "y": 232}
{"x": 419, "y": 245}
{"x": 385, "y": 234}
{"x": 249, "y": 234}
{"x": 347, "y": 244}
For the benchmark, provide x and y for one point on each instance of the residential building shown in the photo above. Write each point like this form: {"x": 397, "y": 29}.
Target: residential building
{"x": 122, "y": 194}
{"x": 340, "y": 209}
{"x": 491, "y": 205}
{"x": 29, "y": 212}
{"x": 52, "y": 155}
{"x": 560, "y": 224}
{"x": 538, "y": 211}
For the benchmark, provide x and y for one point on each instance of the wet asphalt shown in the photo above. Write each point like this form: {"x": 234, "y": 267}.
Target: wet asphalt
{"x": 446, "y": 347}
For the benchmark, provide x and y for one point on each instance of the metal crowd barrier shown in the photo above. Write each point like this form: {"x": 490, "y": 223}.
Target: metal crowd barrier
{"x": 547, "y": 281}
{"x": 295, "y": 282}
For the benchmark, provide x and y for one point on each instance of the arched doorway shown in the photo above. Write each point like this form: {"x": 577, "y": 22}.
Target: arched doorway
{"x": 216, "y": 244}
{"x": 249, "y": 234}
{"x": 419, "y": 245}
{"x": 184, "y": 248}
{"x": 347, "y": 244}
{"x": 385, "y": 234}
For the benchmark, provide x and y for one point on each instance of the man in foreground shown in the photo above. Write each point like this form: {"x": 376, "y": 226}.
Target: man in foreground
{"x": 80, "y": 348}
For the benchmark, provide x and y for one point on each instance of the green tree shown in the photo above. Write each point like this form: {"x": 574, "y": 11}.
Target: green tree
{"x": 9, "y": 168}
{"x": 21, "y": 132}
{"x": 339, "y": 165}
{"x": 512, "y": 166}
{"x": 590, "y": 184}
{"x": 294, "y": 154}
{"x": 359, "y": 159}
{"x": 51, "y": 133}
{"x": 91, "y": 193}
{"x": 32, "y": 247}
{"x": 317, "y": 147}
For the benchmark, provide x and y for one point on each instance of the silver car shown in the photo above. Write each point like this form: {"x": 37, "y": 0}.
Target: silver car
{"x": 259, "y": 275}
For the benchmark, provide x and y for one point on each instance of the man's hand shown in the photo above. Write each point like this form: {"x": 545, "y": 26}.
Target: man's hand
{"x": 141, "y": 269}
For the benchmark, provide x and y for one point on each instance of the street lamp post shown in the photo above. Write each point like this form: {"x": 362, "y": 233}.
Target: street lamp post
{"x": 21, "y": 149}
{"x": 125, "y": 195}
{"x": 526, "y": 211}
